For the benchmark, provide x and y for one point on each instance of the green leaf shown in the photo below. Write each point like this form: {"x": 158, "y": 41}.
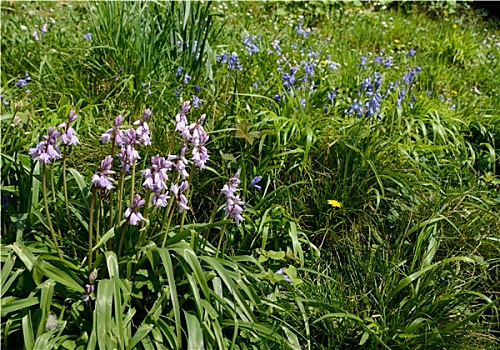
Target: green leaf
{"x": 10, "y": 304}
{"x": 27, "y": 325}
{"x": 46, "y": 269}
{"x": 27, "y": 257}
{"x": 114, "y": 274}
{"x": 104, "y": 239}
{"x": 45, "y": 303}
{"x": 276, "y": 255}
{"x": 195, "y": 334}
{"x": 243, "y": 132}
{"x": 80, "y": 181}
{"x": 364, "y": 338}
{"x": 105, "y": 326}
{"x": 167, "y": 264}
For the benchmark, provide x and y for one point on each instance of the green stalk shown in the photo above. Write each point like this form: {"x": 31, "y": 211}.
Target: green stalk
{"x": 56, "y": 212}
{"x": 111, "y": 206}
{"x": 146, "y": 204}
{"x": 167, "y": 213}
{"x": 49, "y": 222}
{"x": 132, "y": 188}
{"x": 170, "y": 213}
{"x": 65, "y": 186}
{"x": 91, "y": 224}
{"x": 184, "y": 212}
{"x": 220, "y": 240}
{"x": 120, "y": 195}
{"x": 120, "y": 246}
{"x": 98, "y": 221}
{"x": 110, "y": 242}
{"x": 143, "y": 230}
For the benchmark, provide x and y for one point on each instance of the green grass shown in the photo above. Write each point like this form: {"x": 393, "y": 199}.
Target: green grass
{"x": 410, "y": 258}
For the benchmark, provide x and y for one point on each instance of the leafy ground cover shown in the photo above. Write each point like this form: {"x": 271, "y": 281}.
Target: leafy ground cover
{"x": 246, "y": 175}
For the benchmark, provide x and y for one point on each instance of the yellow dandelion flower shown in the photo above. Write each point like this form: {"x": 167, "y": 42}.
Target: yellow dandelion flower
{"x": 358, "y": 8}
{"x": 335, "y": 203}
{"x": 455, "y": 26}
{"x": 454, "y": 92}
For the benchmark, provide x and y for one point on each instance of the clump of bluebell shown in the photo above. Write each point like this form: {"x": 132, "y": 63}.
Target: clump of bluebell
{"x": 371, "y": 94}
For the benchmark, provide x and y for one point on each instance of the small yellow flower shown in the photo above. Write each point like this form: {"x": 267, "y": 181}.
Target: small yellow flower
{"x": 358, "y": 8}
{"x": 455, "y": 26}
{"x": 335, "y": 203}
{"x": 396, "y": 41}
{"x": 454, "y": 92}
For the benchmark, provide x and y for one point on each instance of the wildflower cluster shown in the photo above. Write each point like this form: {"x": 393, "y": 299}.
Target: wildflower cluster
{"x": 193, "y": 134}
{"x": 303, "y": 32}
{"x": 156, "y": 178}
{"x": 43, "y": 30}
{"x": 250, "y": 42}
{"x": 232, "y": 60}
{"x": 48, "y": 150}
{"x": 371, "y": 89}
{"x": 23, "y": 82}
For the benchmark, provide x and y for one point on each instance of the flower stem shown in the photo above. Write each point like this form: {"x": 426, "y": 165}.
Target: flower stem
{"x": 111, "y": 207}
{"x": 120, "y": 246}
{"x": 68, "y": 217}
{"x": 132, "y": 188}
{"x": 49, "y": 222}
{"x": 170, "y": 214}
{"x": 98, "y": 221}
{"x": 184, "y": 212}
{"x": 220, "y": 240}
{"x": 120, "y": 195}
{"x": 110, "y": 242}
{"x": 56, "y": 212}
{"x": 91, "y": 224}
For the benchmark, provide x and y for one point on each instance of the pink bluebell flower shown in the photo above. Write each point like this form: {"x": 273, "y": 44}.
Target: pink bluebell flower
{"x": 47, "y": 150}
{"x": 102, "y": 179}
{"x": 134, "y": 216}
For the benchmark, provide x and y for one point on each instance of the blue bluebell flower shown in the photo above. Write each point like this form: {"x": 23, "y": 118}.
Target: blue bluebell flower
{"x": 251, "y": 46}
{"x": 179, "y": 71}
{"x": 222, "y": 58}
{"x": 401, "y": 96}
{"x": 234, "y": 62}
{"x": 254, "y": 182}
{"x": 388, "y": 62}
{"x": 305, "y": 33}
{"x": 276, "y": 46}
{"x": 196, "y": 101}
{"x": 355, "y": 108}
{"x": 332, "y": 94}
{"x": 289, "y": 78}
